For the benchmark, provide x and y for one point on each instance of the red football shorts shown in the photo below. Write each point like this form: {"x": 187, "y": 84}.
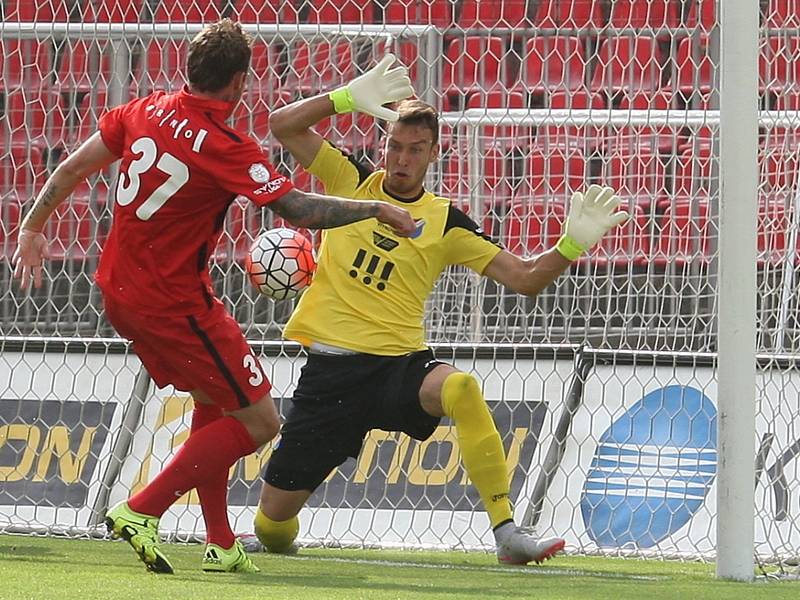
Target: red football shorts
{"x": 205, "y": 352}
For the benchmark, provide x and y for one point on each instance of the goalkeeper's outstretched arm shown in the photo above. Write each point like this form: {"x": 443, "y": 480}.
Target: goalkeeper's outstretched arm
{"x": 591, "y": 215}
{"x": 291, "y": 124}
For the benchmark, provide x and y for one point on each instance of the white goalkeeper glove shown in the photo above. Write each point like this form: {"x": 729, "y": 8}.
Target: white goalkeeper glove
{"x": 591, "y": 215}
{"x": 370, "y": 91}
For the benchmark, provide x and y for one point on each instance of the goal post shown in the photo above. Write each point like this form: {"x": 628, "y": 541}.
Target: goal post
{"x": 737, "y": 288}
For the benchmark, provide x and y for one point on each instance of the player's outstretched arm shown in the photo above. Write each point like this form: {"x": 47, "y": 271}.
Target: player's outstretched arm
{"x": 317, "y": 211}
{"x": 32, "y": 248}
{"x": 291, "y": 124}
{"x": 591, "y": 215}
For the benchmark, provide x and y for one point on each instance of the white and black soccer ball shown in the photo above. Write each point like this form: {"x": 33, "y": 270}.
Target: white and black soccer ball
{"x": 280, "y": 263}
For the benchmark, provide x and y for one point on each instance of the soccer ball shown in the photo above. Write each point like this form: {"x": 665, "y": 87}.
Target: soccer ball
{"x": 280, "y": 263}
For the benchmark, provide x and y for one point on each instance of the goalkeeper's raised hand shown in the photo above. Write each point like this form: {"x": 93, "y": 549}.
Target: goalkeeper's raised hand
{"x": 591, "y": 215}
{"x": 370, "y": 91}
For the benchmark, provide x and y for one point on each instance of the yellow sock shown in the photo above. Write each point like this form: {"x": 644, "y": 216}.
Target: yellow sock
{"x": 277, "y": 536}
{"x": 481, "y": 448}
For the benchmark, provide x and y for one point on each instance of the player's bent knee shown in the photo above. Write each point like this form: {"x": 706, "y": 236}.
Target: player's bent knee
{"x": 460, "y": 390}
{"x": 277, "y": 536}
{"x": 261, "y": 420}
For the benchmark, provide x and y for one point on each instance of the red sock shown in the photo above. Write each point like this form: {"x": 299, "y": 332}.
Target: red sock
{"x": 213, "y": 492}
{"x": 208, "y": 451}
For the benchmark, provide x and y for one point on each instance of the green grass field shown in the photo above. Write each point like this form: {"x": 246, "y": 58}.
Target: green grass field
{"x": 44, "y": 568}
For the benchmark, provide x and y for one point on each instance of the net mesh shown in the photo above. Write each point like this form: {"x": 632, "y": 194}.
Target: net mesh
{"x": 595, "y": 79}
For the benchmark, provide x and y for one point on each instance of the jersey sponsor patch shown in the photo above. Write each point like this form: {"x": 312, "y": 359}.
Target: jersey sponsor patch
{"x": 271, "y": 186}
{"x": 384, "y": 242}
{"x": 259, "y": 173}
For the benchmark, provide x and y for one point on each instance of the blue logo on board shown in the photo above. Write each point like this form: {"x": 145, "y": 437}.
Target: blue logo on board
{"x": 652, "y": 469}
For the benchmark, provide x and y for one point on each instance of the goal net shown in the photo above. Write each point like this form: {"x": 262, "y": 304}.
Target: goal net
{"x": 603, "y": 387}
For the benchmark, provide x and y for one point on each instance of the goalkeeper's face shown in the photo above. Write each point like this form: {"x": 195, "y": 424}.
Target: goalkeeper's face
{"x": 408, "y": 153}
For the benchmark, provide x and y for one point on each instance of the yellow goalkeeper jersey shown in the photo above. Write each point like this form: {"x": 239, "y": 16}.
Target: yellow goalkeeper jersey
{"x": 369, "y": 291}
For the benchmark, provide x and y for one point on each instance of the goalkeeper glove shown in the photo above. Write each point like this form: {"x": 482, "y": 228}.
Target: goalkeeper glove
{"x": 591, "y": 216}
{"x": 370, "y": 91}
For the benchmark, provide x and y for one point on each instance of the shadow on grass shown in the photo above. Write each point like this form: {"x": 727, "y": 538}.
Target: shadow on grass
{"x": 23, "y": 551}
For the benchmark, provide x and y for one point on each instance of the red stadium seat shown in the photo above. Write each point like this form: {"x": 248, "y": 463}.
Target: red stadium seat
{"x": 586, "y": 137}
{"x": 113, "y": 11}
{"x": 70, "y": 231}
{"x": 693, "y": 172}
{"x": 497, "y": 179}
{"x": 702, "y": 14}
{"x": 627, "y": 244}
{"x": 24, "y": 63}
{"x": 533, "y": 226}
{"x": 265, "y": 70}
{"x": 660, "y": 138}
{"x": 26, "y": 116}
{"x": 629, "y": 64}
{"x": 340, "y": 11}
{"x": 569, "y": 14}
{"x": 501, "y": 135}
{"x": 265, "y": 11}
{"x": 779, "y": 165}
{"x": 21, "y": 168}
{"x": 165, "y": 64}
{"x": 782, "y": 57}
{"x": 641, "y": 14}
{"x": 554, "y": 171}
{"x": 455, "y": 177}
{"x": 41, "y": 11}
{"x": 639, "y": 177}
{"x": 694, "y": 73}
{"x": 782, "y": 14}
{"x": 9, "y": 223}
{"x": 419, "y": 12}
{"x": 554, "y": 63}
{"x": 237, "y": 234}
{"x": 187, "y": 11}
{"x": 684, "y": 233}
{"x": 479, "y": 14}
{"x": 774, "y": 224}
{"x": 320, "y": 66}
{"x": 474, "y": 64}
{"x": 408, "y": 54}
{"x": 82, "y": 64}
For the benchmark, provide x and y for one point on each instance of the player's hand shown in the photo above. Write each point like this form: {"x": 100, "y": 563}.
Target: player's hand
{"x": 32, "y": 249}
{"x": 370, "y": 91}
{"x": 399, "y": 219}
{"x": 591, "y": 215}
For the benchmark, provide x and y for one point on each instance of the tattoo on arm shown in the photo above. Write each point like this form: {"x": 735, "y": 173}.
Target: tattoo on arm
{"x": 316, "y": 211}
{"x": 45, "y": 203}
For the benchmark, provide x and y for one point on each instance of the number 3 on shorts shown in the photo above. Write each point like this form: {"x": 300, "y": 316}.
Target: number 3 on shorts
{"x": 250, "y": 362}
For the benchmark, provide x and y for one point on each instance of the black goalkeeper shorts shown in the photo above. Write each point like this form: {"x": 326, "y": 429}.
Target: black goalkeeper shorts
{"x": 338, "y": 400}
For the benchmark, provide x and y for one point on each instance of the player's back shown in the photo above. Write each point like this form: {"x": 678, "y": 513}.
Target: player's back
{"x": 181, "y": 168}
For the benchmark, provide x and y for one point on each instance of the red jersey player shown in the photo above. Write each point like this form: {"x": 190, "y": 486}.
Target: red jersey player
{"x": 181, "y": 168}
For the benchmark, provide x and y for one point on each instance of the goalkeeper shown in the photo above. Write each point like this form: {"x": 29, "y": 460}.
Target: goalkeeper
{"x": 361, "y": 320}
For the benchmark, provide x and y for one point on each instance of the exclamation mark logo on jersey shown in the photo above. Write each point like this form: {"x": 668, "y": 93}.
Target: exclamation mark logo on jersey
{"x": 371, "y": 269}
{"x": 359, "y": 260}
{"x": 387, "y": 270}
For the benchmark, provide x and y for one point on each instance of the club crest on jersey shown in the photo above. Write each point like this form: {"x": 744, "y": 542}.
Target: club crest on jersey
{"x": 258, "y": 173}
{"x": 418, "y": 231}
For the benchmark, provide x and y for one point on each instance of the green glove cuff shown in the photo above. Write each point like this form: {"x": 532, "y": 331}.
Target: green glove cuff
{"x": 342, "y": 100}
{"x": 569, "y": 248}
